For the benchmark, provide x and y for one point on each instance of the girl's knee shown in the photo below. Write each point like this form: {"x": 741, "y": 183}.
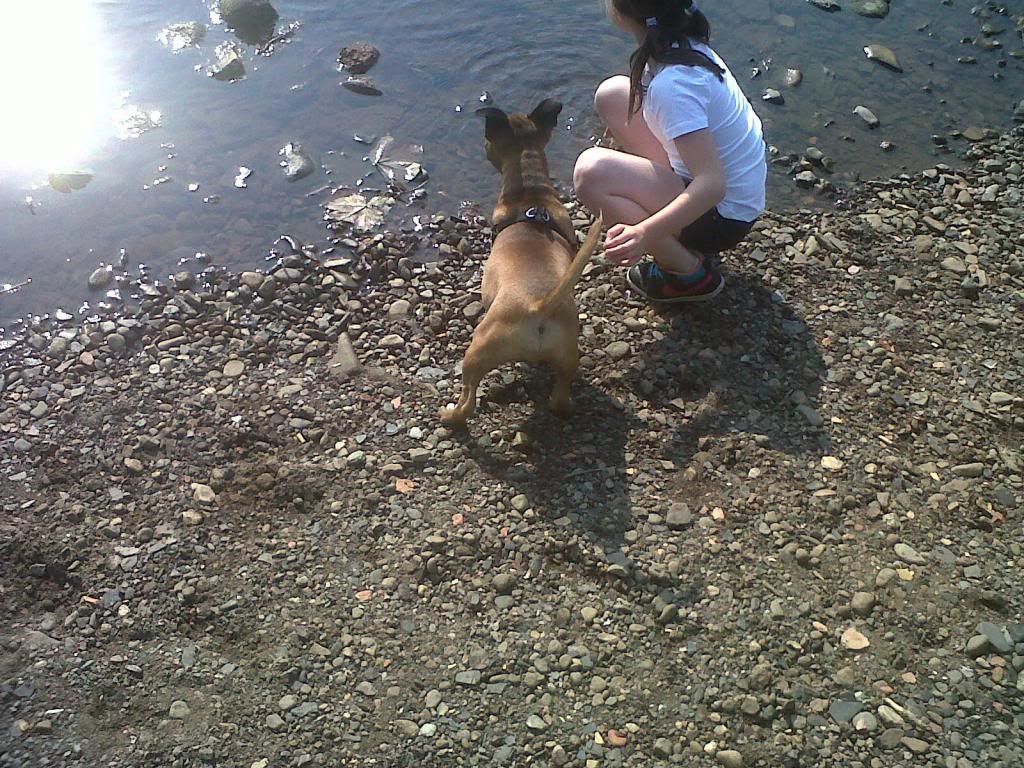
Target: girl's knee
{"x": 612, "y": 97}
{"x": 586, "y": 172}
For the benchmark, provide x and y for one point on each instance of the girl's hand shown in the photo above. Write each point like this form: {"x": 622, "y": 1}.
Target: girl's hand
{"x": 625, "y": 244}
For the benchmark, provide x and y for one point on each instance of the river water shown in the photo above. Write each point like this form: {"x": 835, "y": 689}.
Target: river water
{"x": 82, "y": 78}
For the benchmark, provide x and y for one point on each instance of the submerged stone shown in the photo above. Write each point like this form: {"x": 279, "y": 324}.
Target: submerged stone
{"x": 883, "y": 56}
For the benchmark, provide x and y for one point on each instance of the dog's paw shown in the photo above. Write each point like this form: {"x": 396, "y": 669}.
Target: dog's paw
{"x": 563, "y": 408}
{"x": 452, "y": 418}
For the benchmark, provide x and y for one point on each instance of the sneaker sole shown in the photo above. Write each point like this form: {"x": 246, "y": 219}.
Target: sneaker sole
{"x": 679, "y": 299}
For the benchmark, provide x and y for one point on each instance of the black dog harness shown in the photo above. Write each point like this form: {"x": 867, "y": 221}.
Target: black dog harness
{"x": 533, "y": 215}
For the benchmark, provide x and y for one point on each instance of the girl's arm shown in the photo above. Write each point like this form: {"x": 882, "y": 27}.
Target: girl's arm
{"x": 627, "y": 243}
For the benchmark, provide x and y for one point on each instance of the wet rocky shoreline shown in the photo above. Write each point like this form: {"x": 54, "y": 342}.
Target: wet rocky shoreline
{"x": 784, "y": 529}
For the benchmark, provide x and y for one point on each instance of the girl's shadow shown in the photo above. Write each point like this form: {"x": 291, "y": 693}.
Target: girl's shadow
{"x": 747, "y": 364}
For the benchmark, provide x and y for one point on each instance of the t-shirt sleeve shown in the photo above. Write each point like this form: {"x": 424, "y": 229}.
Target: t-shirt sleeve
{"x": 678, "y": 101}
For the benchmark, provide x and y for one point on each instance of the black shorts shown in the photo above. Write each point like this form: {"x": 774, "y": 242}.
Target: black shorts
{"x": 713, "y": 233}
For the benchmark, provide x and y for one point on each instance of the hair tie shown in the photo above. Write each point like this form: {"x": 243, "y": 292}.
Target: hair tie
{"x": 652, "y": 21}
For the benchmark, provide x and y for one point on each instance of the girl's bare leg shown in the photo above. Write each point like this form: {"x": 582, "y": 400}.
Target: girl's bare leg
{"x": 627, "y": 187}
{"x": 612, "y": 104}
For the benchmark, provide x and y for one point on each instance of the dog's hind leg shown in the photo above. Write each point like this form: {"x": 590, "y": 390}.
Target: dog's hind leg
{"x": 482, "y": 357}
{"x": 564, "y": 366}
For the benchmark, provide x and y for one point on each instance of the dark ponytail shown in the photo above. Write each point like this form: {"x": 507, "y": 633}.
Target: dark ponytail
{"x": 670, "y": 24}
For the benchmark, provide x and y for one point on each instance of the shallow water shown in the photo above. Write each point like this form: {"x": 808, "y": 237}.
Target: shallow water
{"x": 88, "y": 58}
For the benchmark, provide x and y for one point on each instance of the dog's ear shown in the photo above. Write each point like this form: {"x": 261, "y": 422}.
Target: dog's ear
{"x": 497, "y": 124}
{"x": 545, "y": 114}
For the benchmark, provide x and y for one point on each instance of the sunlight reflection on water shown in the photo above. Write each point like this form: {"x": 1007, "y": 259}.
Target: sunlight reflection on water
{"x": 60, "y": 88}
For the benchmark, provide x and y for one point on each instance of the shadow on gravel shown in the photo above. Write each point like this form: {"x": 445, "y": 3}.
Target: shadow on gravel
{"x": 574, "y": 470}
{"x": 744, "y": 365}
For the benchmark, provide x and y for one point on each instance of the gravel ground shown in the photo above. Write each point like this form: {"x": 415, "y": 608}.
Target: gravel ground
{"x": 781, "y": 530}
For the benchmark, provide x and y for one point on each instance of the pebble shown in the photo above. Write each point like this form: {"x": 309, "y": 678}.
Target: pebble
{"x": 179, "y": 710}
{"x": 362, "y": 85}
{"x": 843, "y": 711}
{"x": 997, "y": 637}
{"x": 504, "y": 583}
{"x": 468, "y": 678}
{"x": 407, "y": 728}
{"x": 889, "y": 716}
{"x": 867, "y": 116}
{"x": 617, "y": 350}
{"x": 890, "y": 738}
{"x": 233, "y": 368}
{"x": 116, "y": 343}
{"x": 831, "y": 463}
{"x": 812, "y": 417}
{"x": 974, "y": 469}
{"x": 228, "y": 67}
{"x": 883, "y": 56}
{"x": 729, "y": 758}
{"x": 865, "y": 722}
{"x": 275, "y": 723}
{"x": 679, "y": 516}
{"x": 854, "y": 640}
{"x": 863, "y": 603}
{"x": 908, "y": 554}
{"x": 915, "y": 745}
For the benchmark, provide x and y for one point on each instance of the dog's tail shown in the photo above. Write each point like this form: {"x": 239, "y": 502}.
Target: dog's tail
{"x": 564, "y": 288}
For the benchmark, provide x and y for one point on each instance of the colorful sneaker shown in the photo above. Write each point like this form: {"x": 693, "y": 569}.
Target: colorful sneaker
{"x": 653, "y": 284}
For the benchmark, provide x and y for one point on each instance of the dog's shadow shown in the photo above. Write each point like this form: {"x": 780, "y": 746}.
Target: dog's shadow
{"x": 745, "y": 367}
{"x": 573, "y": 470}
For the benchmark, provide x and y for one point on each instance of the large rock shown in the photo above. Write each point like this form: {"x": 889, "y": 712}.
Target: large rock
{"x": 252, "y": 20}
{"x": 358, "y": 58}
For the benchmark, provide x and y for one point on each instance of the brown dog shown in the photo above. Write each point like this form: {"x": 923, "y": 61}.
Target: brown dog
{"x": 534, "y": 265}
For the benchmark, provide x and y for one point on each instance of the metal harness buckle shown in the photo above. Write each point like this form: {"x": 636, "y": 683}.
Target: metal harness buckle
{"x": 534, "y": 213}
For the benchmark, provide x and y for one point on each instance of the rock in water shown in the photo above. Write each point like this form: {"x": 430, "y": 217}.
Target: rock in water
{"x": 188, "y": 34}
{"x": 296, "y": 163}
{"x": 362, "y": 85}
{"x": 883, "y": 56}
{"x": 794, "y": 77}
{"x": 100, "y": 278}
{"x": 68, "y": 182}
{"x": 867, "y": 116}
{"x": 228, "y": 67}
{"x": 772, "y": 96}
{"x": 826, "y": 5}
{"x": 805, "y": 179}
{"x": 358, "y": 58}
{"x": 252, "y": 20}
{"x": 875, "y": 9}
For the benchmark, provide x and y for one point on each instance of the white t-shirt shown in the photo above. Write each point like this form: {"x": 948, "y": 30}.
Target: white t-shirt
{"x": 682, "y": 99}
